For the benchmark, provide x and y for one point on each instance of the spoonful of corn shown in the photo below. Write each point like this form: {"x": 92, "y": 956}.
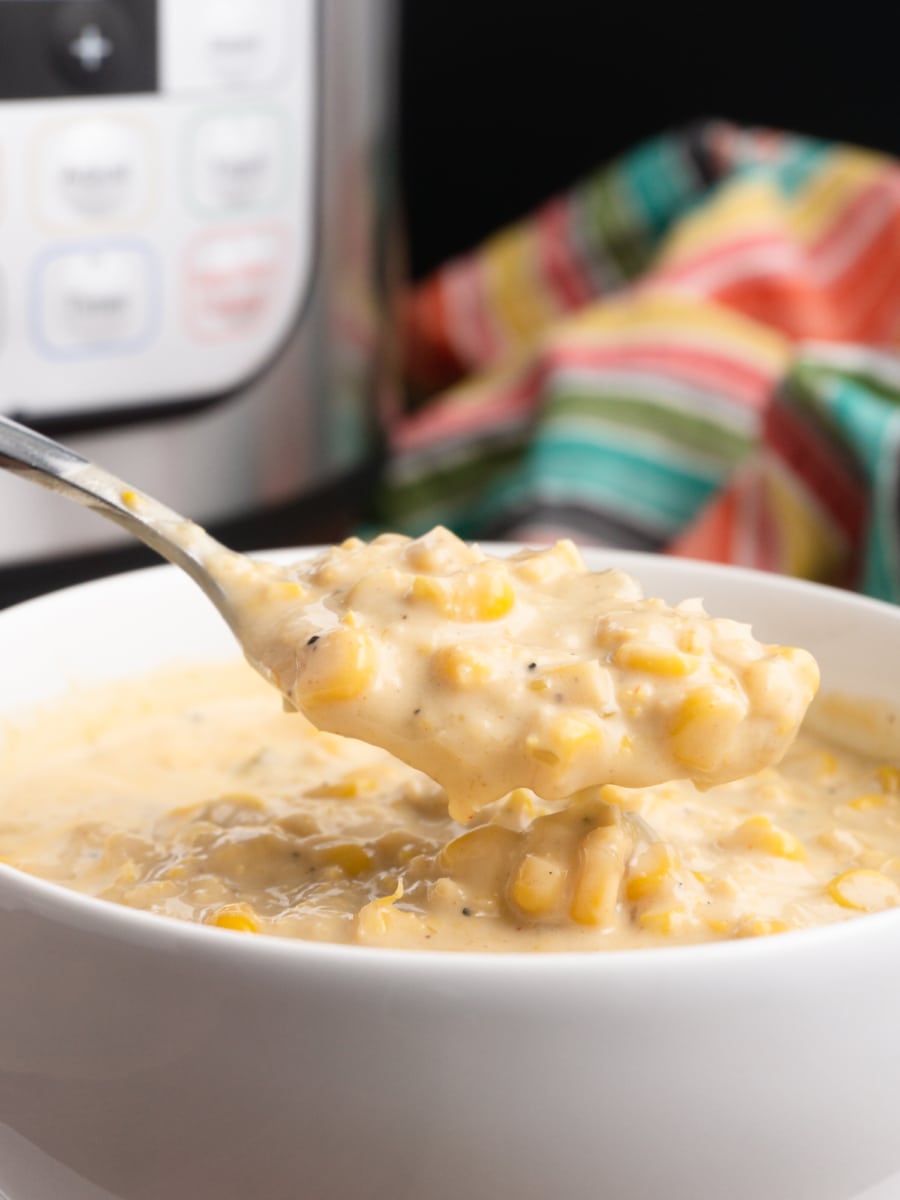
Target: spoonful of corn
{"x": 486, "y": 672}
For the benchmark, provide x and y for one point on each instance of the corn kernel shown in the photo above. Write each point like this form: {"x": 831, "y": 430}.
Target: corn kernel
{"x": 488, "y": 843}
{"x": 545, "y": 566}
{"x": 340, "y": 666}
{"x": 690, "y": 641}
{"x": 655, "y": 660}
{"x": 129, "y": 498}
{"x": 237, "y": 917}
{"x": 351, "y": 858}
{"x": 461, "y": 666}
{"x": 286, "y": 589}
{"x": 377, "y": 918}
{"x": 129, "y": 873}
{"x": 654, "y": 871}
{"x": 483, "y": 593}
{"x": 569, "y": 554}
{"x": 809, "y": 668}
{"x": 521, "y": 802}
{"x": 780, "y": 685}
{"x": 722, "y": 889}
{"x": 628, "y": 799}
{"x": 585, "y": 683}
{"x": 537, "y": 749}
{"x": 840, "y": 841}
{"x": 445, "y": 894}
{"x": 828, "y": 763}
{"x": 666, "y": 921}
{"x": 758, "y": 833}
{"x": 539, "y": 885}
{"x": 864, "y": 890}
{"x": 328, "y": 574}
{"x": 867, "y": 801}
{"x": 701, "y": 725}
{"x": 489, "y": 596}
{"x": 431, "y": 590}
{"x": 439, "y": 550}
{"x": 756, "y": 926}
{"x": 718, "y": 925}
{"x": 345, "y": 789}
{"x": 567, "y": 736}
{"x": 599, "y": 881}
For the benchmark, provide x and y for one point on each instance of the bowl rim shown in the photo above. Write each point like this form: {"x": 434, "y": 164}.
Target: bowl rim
{"x": 91, "y": 914}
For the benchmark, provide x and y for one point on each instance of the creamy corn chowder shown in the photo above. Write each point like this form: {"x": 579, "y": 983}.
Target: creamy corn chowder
{"x": 192, "y": 795}
{"x": 530, "y": 671}
{"x": 554, "y": 705}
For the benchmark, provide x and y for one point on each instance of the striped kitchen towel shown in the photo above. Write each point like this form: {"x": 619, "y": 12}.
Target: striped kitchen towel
{"x": 691, "y": 352}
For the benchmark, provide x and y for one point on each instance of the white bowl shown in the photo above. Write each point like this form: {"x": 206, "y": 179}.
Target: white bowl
{"x": 142, "y": 1058}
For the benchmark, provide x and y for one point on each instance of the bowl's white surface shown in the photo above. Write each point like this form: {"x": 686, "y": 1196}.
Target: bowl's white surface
{"x": 143, "y": 1059}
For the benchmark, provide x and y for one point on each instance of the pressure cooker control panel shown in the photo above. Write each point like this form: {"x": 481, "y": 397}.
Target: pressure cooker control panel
{"x": 156, "y": 197}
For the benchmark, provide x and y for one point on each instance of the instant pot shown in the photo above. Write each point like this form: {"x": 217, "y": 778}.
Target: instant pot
{"x": 196, "y": 215}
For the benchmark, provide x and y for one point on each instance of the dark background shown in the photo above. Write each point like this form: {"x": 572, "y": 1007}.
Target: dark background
{"x": 504, "y": 102}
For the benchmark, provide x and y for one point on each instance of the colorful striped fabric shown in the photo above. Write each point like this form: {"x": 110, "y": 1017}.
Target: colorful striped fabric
{"x": 689, "y": 352}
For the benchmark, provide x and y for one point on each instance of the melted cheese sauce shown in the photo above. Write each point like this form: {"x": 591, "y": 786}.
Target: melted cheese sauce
{"x": 193, "y": 796}
{"x": 530, "y": 671}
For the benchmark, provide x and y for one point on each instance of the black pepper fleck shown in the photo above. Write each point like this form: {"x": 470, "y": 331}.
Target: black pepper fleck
{"x": 312, "y": 641}
{"x": 532, "y": 666}
{"x": 467, "y": 912}
{"x": 416, "y": 711}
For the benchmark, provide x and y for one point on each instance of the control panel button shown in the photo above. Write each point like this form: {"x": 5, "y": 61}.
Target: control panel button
{"x": 94, "y": 48}
{"x": 94, "y": 301}
{"x": 232, "y": 282}
{"x": 214, "y": 44}
{"x": 94, "y": 170}
{"x": 242, "y": 39}
{"x": 55, "y": 48}
{"x": 236, "y": 162}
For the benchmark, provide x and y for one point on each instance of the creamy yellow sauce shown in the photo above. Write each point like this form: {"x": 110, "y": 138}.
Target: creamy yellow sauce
{"x": 491, "y": 673}
{"x": 192, "y": 795}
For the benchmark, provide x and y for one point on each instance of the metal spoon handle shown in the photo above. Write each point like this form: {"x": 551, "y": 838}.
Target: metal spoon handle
{"x": 41, "y": 460}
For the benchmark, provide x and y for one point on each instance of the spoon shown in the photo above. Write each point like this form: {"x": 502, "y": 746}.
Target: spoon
{"x": 403, "y": 644}
{"x": 41, "y": 460}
